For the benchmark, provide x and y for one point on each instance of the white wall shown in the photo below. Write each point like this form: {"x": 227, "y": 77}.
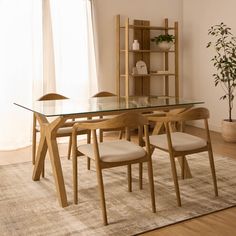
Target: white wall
{"x": 106, "y": 10}
{"x": 198, "y": 82}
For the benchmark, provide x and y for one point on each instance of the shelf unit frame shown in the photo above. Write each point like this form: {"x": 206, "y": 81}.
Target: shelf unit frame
{"x": 126, "y": 51}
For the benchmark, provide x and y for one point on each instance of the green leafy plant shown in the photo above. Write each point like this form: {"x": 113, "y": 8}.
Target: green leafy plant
{"x": 163, "y": 37}
{"x": 224, "y": 61}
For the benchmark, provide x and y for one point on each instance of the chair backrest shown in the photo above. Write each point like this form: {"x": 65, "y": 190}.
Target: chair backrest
{"x": 199, "y": 113}
{"x": 52, "y": 96}
{"x": 48, "y": 96}
{"x": 103, "y": 94}
{"x": 128, "y": 120}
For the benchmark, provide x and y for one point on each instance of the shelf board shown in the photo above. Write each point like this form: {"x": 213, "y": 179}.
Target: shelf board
{"x": 162, "y": 96}
{"x": 149, "y": 75}
{"x": 147, "y": 51}
{"x": 149, "y": 27}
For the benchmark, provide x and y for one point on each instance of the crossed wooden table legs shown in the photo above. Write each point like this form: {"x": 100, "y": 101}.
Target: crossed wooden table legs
{"x": 48, "y": 142}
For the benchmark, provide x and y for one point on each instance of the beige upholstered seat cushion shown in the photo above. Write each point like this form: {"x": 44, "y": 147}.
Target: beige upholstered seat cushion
{"x": 114, "y": 151}
{"x": 68, "y": 130}
{"x": 180, "y": 141}
{"x": 65, "y": 131}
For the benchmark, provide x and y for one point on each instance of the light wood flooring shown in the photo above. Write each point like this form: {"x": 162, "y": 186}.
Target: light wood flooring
{"x": 222, "y": 223}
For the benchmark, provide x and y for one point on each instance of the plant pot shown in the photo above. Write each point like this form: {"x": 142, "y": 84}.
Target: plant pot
{"x": 164, "y": 46}
{"x": 229, "y": 130}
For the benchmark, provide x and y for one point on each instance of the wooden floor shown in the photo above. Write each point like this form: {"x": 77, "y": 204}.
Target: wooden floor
{"x": 222, "y": 223}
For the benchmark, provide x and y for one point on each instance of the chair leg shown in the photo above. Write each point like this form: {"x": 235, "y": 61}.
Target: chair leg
{"x": 34, "y": 147}
{"x": 69, "y": 148}
{"x": 151, "y": 184}
{"x": 75, "y": 179}
{"x": 140, "y": 176}
{"x": 120, "y": 134}
{"x": 43, "y": 170}
{"x": 213, "y": 172}
{"x": 88, "y": 159}
{"x": 100, "y": 136}
{"x": 185, "y": 170}
{"x": 102, "y": 195}
{"x": 141, "y": 170}
{"x": 175, "y": 179}
{"x": 129, "y": 173}
{"x": 183, "y": 166}
{"x": 88, "y": 163}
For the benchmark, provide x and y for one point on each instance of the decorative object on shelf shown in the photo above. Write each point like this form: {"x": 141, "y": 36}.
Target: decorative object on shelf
{"x": 141, "y": 67}
{"x": 224, "y": 61}
{"x": 134, "y": 71}
{"x": 164, "y": 41}
{"x": 135, "y": 45}
{"x": 163, "y": 72}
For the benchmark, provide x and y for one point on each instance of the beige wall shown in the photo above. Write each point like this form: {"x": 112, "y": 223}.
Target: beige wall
{"x": 195, "y": 17}
{"x": 198, "y": 83}
{"x": 106, "y": 10}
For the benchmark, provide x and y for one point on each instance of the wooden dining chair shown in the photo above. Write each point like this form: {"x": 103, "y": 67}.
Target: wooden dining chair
{"x": 180, "y": 144}
{"x": 110, "y": 154}
{"x": 65, "y": 131}
{"x": 101, "y": 131}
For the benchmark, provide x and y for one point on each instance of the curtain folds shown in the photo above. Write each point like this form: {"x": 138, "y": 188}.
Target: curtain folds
{"x": 47, "y": 46}
{"x": 91, "y": 6}
{"x": 93, "y": 47}
{"x": 49, "y": 79}
{"x": 73, "y": 48}
{"x": 20, "y": 68}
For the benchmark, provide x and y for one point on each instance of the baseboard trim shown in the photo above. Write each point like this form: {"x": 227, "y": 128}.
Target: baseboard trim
{"x": 199, "y": 124}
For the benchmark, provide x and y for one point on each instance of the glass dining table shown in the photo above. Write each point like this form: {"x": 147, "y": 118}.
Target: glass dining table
{"x": 62, "y": 110}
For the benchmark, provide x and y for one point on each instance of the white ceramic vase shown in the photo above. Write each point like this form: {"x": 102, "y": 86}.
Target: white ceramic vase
{"x": 164, "y": 46}
{"x": 228, "y": 131}
{"x": 135, "y": 45}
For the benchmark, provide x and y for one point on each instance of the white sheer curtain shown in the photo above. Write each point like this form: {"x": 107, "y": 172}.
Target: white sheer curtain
{"x": 73, "y": 48}
{"x": 21, "y": 59}
{"x": 20, "y": 68}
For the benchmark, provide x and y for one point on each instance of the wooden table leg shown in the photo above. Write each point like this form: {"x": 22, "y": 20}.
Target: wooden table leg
{"x": 40, "y": 157}
{"x": 185, "y": 170}
{"x": 48, "y": 141}
{"x": 56, "y": 168}
{"x": 157, "y": 128}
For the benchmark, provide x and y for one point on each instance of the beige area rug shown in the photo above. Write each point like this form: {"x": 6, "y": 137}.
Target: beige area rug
{"x": 31, "y": 208}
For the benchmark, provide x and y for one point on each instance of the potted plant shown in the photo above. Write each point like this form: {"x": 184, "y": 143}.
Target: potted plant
{"x": 164, "y": 41}
{"x": 224, "y": 61}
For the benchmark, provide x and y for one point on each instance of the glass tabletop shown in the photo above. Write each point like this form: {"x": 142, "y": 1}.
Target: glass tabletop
{"x": 103, "y": 104}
